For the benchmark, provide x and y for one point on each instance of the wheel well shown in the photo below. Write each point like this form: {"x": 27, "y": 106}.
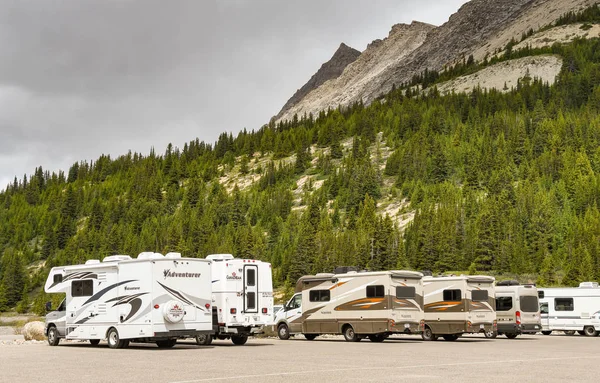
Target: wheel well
{"x": 282, "y": 323}
{"x": 426, "y": 326}
{"x": 50, "y": 325}
{"x": 110, "y": 328}
{"x": 345, "y": 326}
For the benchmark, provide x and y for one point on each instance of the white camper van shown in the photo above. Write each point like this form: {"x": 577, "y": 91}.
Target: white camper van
{"x": 517, "y": 309}
{"x": 456, "y": 305}
{"x": 153, "y": 298}
{"x": 242, "y": 294}
{"x": 357, "y": 305}
{"x": 571, "y": 309}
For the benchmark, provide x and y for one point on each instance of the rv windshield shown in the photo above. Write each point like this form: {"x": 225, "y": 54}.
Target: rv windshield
{"x": 529, "y": 303}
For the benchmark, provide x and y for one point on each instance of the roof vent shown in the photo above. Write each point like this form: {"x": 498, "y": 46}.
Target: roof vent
{"x": 116, "y": 258}
{"x": 173, "y": 255}
{"x": 588, "y": 285}
{"x": 508, "y": 283}
{"x": 219, "y": 257}
{"x": 92, "y": 261}
{"x": 344, "y": 269}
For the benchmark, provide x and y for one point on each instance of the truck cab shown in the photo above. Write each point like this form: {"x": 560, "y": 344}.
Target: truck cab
{"x": 288, "y": 320}
{"x": 55, "y": 322}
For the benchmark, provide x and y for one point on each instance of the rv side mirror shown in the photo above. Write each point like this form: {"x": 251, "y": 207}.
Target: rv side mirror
{"x": 48, "y": 306}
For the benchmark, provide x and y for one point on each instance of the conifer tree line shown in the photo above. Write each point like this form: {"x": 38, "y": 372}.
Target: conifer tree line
{"x": 498, "y": 182}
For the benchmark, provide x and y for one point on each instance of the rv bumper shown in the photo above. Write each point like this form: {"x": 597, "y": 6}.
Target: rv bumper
{"x": 405, "y": 327}
{"x": 513, "y": 328}
{"x": 480, "y": 327}
{"x": 182, "y": 333}
{"x": 241, "y": 330}
{"x": 530, "y": 328}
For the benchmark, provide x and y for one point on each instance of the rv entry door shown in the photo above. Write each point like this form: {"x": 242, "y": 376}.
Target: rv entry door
{"x": 251, "y": 289}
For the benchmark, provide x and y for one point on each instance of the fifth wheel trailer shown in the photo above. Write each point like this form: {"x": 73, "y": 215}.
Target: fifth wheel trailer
{"x": 242, "y": 294}
{"x": 358, "y": 305}
{"x": 153, "y": 298}
{"x": 455, "y": 305}
{"x": 571, "y": 309}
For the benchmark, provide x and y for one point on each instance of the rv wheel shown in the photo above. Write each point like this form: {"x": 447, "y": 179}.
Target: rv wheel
{"x": 53, "y": 336}
{"x": 114, "y": 341}
{"x": 310, "y": 336}
{"x": 350, "y": 335}
{"x": 377, "y": 338}
{"x": 239, "y": 340}
{"x": 490, "y": 334}
{"x": 283, "y": 332}
{"x": 166, "y": 343}
{"x": 94, "y": 342}
{"x": 428, "y": 335}
{"x": 546, "y": 332}
{"x": 450, "y": 337}
{"x": 569, "y": 332}
{"x": 581, "y": 332}
{"x": 511, "y": 335}
{"x": 204, "y": 339}
{"x": 590, "y": 331}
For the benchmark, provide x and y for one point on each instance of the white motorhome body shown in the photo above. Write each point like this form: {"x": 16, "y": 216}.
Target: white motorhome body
{"x": 455, "y": 305}
{"x": 242, "y": 293}
{"x": 357, "y": 305}
{"x": 571, "y": 309}
{"x": 153, "y": 298}
{"x": 517, "y": 309}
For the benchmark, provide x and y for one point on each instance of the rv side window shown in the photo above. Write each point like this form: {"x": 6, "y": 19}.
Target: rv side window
{"x": 540, "y": 294}
{"x": 452, "y": 295}
{"x": 377, "y": 291}
{"x": 504, "y": 303}
{"x": 405, "y": 292}
{"x": 58, "y": 278}
{"x": 82, "y": 288}
{"x": 544, "y": 308}
{"x": 319, "y": 295}
{"x": 251, "y": 277}
{"x": 529, "y": 303}
{"x": 479, "y": 295}
{"x": 563, "y": 304}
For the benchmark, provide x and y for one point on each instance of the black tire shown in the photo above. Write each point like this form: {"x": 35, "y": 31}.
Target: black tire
{"x": 283, "y": 332}
{"x": 204, "y": 339}
{"x": 168, "y": 343}
{"x": 239, "y": 340}
{"x": 377, "y": 338}
{"x": 590, "y": 331}
{"x": 310, "y": 336}
{"x": 511, "y": 335}
{"x": 546, "y": 332}
{"x": 569, "y": 332}
{"x": 450, "y": 337}
{"x": 349, "y": 334}
{"x": 114, "y": 341}
{"x": 490, "y": 334}
{"x": 428, "y": 335}
{"x": 94, "y": 342}
{"x": 581, "y": 332}
{"x": 53, "y": 337}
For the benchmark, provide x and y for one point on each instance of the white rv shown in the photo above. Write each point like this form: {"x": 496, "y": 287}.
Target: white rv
{"x": 242, "y": 294}
{"x": 571, "y": 309}
{"x": 456, "y": 305}
{"x": 153, "y": 298}
{"x": 517, "y": 309}
{"x": 357, "y": 305}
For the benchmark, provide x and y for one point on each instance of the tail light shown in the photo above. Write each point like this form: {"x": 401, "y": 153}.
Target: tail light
{"x": 469, "y": 324}
{"x": 207, "y": 306}
{"x": 518, "y": 317}
{"x": 156, "y": 306}
{"x": 264, "y": 310}
{"x": 233, "y": 311}
{"x": 495, "y": 324}
{"x": 422, "y": 325}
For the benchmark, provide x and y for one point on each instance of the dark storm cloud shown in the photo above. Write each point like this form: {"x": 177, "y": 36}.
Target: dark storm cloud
{"x": 79, "y": 77}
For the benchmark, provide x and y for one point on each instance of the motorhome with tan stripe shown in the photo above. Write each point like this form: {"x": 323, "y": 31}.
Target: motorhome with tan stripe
{"x": 455, "y": 305}
{"x": 358, "y": 305}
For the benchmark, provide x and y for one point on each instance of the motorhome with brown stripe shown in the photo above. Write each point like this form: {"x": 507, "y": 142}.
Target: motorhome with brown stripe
{"x": 358, "y": 305}
{"x": 455, "y": 305}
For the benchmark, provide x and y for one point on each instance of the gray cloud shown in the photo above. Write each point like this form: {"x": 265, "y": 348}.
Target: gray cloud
{"x": 79, "y": 78}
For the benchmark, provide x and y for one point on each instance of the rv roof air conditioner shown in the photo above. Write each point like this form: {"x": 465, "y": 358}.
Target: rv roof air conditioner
{"x": 508, "y": 283}
{"x": 344, "y": 269}
{"x": 219, "y": 257}
{"x": 92, "y": 261}
{"x": 145, "y": 255}
{"x": 156, "y": 256}
{"x": 173, "y": 255}
{"x": 114, "y": 258}
{"x": 588, "y": 285}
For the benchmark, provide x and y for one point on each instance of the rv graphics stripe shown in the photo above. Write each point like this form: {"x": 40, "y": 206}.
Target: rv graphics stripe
{"x": 100, "y": 293}
{"x": 76, "y": 276}
{"x": 133, "y": 300}
{"x": 180, "y": 296}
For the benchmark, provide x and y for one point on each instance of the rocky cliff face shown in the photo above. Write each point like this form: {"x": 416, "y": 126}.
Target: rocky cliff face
{"x": 478, "y": 28}
{"x": 332, "y": 69}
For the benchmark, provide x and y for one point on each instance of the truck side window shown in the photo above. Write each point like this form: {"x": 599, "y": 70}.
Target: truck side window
{"x": 296, "y": 302}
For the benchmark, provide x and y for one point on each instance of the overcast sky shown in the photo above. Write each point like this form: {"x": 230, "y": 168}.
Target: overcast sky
{"x": 79, "y": 78}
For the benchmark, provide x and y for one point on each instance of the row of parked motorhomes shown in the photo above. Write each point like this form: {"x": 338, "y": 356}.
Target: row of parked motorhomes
{"x": 160, "y": 299}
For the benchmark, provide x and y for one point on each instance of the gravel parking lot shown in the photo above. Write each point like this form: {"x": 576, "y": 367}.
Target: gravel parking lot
{"x": 556, "y": 358}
